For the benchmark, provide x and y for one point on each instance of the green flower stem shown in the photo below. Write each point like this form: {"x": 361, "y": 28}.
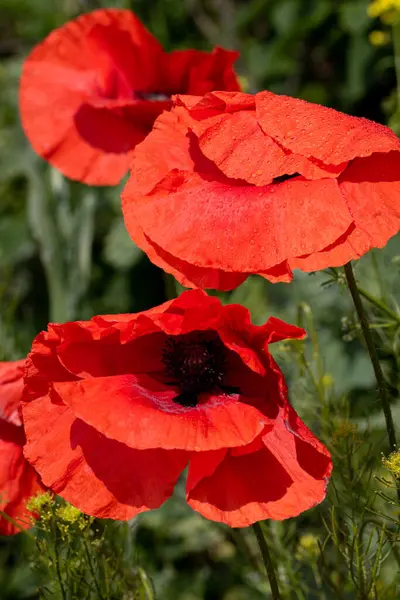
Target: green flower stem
{"x": 267, "y": 561}
{"x": 40, "y": 211}
{"x": 382, "y": 391}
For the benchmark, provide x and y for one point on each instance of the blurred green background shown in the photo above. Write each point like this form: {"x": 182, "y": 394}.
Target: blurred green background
{"x": 318, "y": 50}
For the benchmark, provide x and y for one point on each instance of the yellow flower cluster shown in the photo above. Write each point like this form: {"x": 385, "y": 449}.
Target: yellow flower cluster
{"x": 64, "y": 516}
{"x": 69, "y": 518}
{"x": 42, "y": 505}
{"x": 387, "y": 10}
{"x": 40, "y": 502}
{"x": 392, "y": 463}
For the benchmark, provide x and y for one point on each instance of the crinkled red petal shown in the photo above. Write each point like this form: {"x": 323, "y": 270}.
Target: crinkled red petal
{"x": 100, "y": 476}
{"x": 62, "y": 75}
{"x": 214, "y": 103}
{"x": 242, "y": 228}
{"x": 11, "y": 385}
{"x": 287, "y": 476}
{"x": 319, "y": 132}
{"x": 196, "y": 72}
{"x": 144, "y": 414}
{"x": 18, "y": 481}
{"x": 371, "y": 190}
{"x": 241, "y": 150}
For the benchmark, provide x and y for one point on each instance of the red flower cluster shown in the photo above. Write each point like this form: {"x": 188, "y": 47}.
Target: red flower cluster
{"x": 18, "y": 480}
{"x": 115, "y": 408}
{"x": 260, "y": 184}
{"x": 92, "y": 90}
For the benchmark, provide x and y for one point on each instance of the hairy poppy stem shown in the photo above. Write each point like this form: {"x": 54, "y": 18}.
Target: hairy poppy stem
{"x": 382, "y": 390}
{"x": 267, "y": 561}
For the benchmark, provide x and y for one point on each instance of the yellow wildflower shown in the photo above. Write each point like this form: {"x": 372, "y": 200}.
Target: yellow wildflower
{"x": 40, "y": 503}
{"x": 379, "y": 38}
{"x": 379, "y": 7}
{"x": 392, "y": 463}
{"x": 68, "y": 513}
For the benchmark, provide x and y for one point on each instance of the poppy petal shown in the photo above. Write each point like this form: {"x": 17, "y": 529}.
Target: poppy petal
{"x": 18, "y": 481}
{"x": 371, "y": 189}
{"x": 11, "y": 386}
{"x": 320, "y": 132}
{"x": 214, "y": 103}
{"x": 196, "y": 72}
{"x": 241, "y": 150}
{"x": 233, "y": 235}
{"x": 120, "y": 407}
{"x": 99, "y": 476}
{"x": 294, "y": 467}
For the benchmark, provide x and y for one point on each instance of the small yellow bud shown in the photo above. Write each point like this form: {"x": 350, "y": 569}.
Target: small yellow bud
{"x": 379, "y": 38}
{"x": 307, "y": 547}
{"x": 327, "y": 380}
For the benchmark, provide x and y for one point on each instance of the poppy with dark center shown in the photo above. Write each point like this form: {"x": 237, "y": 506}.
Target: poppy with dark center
{"x": 260, "y": 184}
{"x": 116, "y": 407}
{"x": 197, "y": 363}
{"x": 92, "y": 89}
{"x": 18, "y": 480}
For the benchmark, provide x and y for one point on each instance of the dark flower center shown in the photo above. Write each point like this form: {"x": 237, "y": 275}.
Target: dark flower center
{"x": 195, "y": 362}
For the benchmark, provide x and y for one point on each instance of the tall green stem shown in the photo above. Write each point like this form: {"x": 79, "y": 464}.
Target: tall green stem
{"x": 40, "y": 211}
{"x": 382, "y": 390}
{"x": 267, "y": 561}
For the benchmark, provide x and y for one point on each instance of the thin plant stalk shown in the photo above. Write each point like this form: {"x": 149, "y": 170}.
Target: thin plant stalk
{"x": 269, "y": 567}
{"x": 380, "y": 379}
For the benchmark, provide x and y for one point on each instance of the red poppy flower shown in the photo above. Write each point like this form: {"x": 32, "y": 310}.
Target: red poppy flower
{"x": 18, "y": 481}
{"x": 93, "y": 88}
{"x": 260, "y": 184}
{"x": 116, "y": 407}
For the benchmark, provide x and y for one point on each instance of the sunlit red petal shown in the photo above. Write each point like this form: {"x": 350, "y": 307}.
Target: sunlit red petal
{"x": 319, "y": 132}
{"x": 11, "y": 385}
{"x": 214, "y": 103}
{"x": 102, "y": 477}
{"x": 238, "y": 146}
{"x": 141, "y": 413}
{"x": 18, "y": 480}
{"x": 290, "y": 220}
{"x": 371, "y": 189}
{"x": 284, "y": 478}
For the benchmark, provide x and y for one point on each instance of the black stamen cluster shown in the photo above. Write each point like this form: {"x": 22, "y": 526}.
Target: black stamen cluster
{"x": 195, "y": 362}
